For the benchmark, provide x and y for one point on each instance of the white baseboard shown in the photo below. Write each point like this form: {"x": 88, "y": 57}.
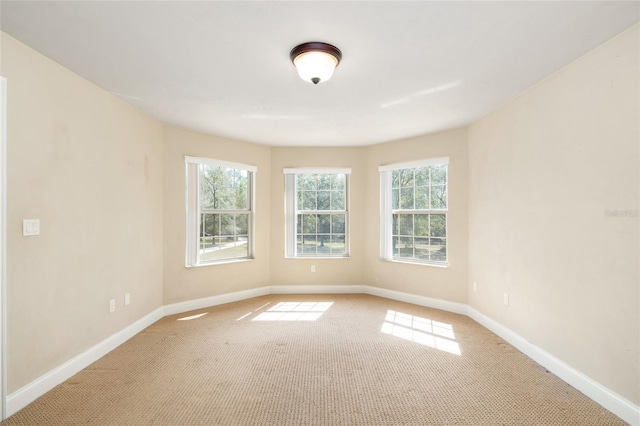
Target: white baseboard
{"x": 316, "y": 289}
{"x": 610, "y": 400}
{"x": 443, "y": 305}
{"x": 613, "y": 402}
{"x": 30, "y": 392}
{"x": 221, "y": 299}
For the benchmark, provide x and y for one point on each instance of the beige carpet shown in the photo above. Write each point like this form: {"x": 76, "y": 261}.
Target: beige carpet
{"x": 315, "y": 360}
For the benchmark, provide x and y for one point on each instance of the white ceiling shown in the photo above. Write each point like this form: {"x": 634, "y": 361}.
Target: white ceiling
{"x": 223, "y": 68}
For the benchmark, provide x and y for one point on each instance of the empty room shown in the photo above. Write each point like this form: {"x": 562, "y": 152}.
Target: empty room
{"x": 319, "y": 213}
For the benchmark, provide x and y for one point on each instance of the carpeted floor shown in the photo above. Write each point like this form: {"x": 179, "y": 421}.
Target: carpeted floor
{"x": 315, "y": 360}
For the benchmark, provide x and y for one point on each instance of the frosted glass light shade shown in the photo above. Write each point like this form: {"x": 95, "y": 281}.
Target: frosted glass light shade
{"x": 315, "y": 61}
{"x": 318, "y": 65}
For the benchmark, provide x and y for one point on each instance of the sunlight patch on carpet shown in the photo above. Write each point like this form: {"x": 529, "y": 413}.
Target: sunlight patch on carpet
{"x": 294, "y": 311}
{"x": 192, "y": 317}
{"x": 434, "y": 334}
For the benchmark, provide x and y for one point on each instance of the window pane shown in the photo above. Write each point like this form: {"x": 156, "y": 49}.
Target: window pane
{"x": 438, "y": 174}
{"x": 306, "y": 182}
{"x": 406, "y": 198}
{"x": 337, "y": 223}
{"x": 220, "y": 236}
{"x": 323, "y": 244}
{"x": 438, "y": 197}
{"x": 438, "y": 225}
{"x": 309, "y": 224}
{"x": 438, "y": 249}
{"x": 324, "y": 182}
{"x": 405, "y": 224}
{"x": 322, "y": 192}
{"x": 224, "y": 192}
{"x": 324, "y": 224}
{"x": 405, "y": 178}
{"x": 338, "y": 244}
{"x": 309, "y": 243}
{"x": 337, "y": 200}
{"x": 242, "y": 224}
{"x": 308, "y": 200}
{"x": 228, "y": 224}
{"x": 324, "y": 200}
{"x": 338, "y": 182}
{"x": 395, "y": 179}
{"x": 405, "y": 247}
{"x": 222, "y": 188}
{"x": 298, "y": 243}
{"x": 422, "y": 248}
{"x": 209, "y": 225}
{"x": 422, "y": 176}
{"x": 422, "y": 197}
{"x": 242, "y": 193}
{"x": 414, "y": 234}
{"x": 224, "y": 236}
{"x": 227, "y": 250}
{"x": 421, "y": 225}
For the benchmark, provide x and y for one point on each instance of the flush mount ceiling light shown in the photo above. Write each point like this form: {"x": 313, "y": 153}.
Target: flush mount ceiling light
{"x": 315, "y": 61}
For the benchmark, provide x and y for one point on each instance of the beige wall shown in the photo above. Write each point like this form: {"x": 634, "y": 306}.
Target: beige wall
{"x": 89, "y": 166}
{"x": 328, "y": 271}
{"x": 181, "y": 283}
{"x": 543, "y": 172}
{"x": 529, "y": 188}
{"x": 430, "y": 281}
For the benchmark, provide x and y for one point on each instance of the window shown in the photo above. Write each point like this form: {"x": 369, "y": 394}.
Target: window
{"x": 317, "y": 219}
{"x": 219, "y": 211}
{"x": 413, "y": 210}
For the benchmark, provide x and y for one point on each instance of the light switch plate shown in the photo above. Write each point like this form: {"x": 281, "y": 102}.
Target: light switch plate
{"x": 30, "y": 227}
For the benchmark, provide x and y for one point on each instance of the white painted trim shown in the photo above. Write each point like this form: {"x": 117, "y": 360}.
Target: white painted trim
{"x": 221, "y": 299}
{"x": 608, "y": 399}
{"x": 429, "y": 302}
{"x": 317, "y": 170}
{"x": 30, "y": 392}
{"x": 618, "y": 405}
{"x": 3, "y": 248}
{"x": 414, "y": 164}
{"x": 219, "y": 163}
{"x": 317, "y": 289}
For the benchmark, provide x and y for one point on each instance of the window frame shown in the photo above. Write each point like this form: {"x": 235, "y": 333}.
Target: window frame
{"x": 387, "y": 211}
{"x": 292, "y": 212}
{"x": 194, "y": 210}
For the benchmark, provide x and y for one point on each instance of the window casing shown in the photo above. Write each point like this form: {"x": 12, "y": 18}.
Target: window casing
{"x": 219, "y": 203}
{"x": 413, "y": 211}
{"x": 317, "y": 213}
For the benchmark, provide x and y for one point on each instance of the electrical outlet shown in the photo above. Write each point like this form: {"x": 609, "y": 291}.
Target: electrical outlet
{"x": 505, "y": 299}
{"x": 30, "y": 227}
{"x": 127, "y": 299}
{"x": 112, "y": 305}
{"x": 313, "y": 268}
{"x": 475, "y": 286}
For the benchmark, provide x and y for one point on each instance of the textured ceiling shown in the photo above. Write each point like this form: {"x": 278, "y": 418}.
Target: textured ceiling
{"x": 223, "y": 67}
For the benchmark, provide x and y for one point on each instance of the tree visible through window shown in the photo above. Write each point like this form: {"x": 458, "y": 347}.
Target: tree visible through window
{"x": 223, "y": 210}
{"x": 317, "y": 218}
{"x": 415, "y": 212}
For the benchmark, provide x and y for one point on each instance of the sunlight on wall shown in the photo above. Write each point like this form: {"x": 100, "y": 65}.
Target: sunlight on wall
{"x": 295, "y": 311}
{"x": 423, "y": 331}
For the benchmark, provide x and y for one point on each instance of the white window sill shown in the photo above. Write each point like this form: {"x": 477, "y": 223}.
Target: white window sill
{"x": 409, "y": 262}
{"x": 317, "y": 257}
{"x": 222, "y": 262}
